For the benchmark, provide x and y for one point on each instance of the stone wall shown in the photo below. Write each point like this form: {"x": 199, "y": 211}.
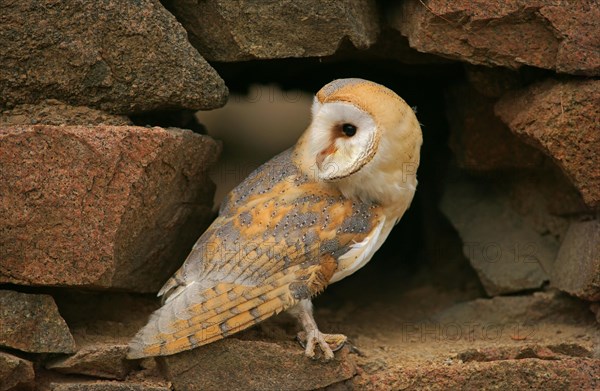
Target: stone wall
{"x": 104, "y": 188}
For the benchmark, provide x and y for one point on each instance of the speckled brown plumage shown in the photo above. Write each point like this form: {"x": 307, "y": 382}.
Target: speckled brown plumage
{"x": 309, "y": 217}
{"x": 276, "y": 241}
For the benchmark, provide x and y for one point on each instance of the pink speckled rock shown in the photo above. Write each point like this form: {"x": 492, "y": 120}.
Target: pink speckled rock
{"x": 103, "y": 207}
{"x": 561, "y": 119}
{"x": 562, "y": 36}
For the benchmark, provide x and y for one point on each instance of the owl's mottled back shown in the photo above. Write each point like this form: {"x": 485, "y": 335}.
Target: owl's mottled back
{"x": 309, "y": 217}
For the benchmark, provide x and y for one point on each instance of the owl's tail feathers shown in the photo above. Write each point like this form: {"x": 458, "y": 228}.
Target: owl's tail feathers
{"x": 196, "y": 318}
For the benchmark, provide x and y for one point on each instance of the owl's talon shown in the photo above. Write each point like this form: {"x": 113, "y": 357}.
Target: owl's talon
{"x": 328, "y": 343}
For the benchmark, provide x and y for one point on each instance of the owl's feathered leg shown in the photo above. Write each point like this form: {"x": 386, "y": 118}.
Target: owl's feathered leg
{"x": 311, "y": 336}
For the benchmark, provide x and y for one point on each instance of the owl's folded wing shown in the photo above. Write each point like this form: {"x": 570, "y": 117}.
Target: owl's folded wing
{"x": 256, "y": 260}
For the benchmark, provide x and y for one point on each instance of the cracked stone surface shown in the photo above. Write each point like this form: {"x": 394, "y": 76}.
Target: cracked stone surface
{"x": 31, "y": 323}
{"x": 245, "y": 30}
{"x": 15, "y": 372}
{"x": 560, "y": 118}
{"x": 426, "y": 338}
{"x": 88, "y": 206}
{"x": 577, "y": 266}
{"x": 254, "y": 365}
{"x": 119, "y": 56}
{"x": 480, "y": 141}
{"x": 90, "y": 385}
{"x": 504, "y": 248}
{"x": 103, "y": 360}
{"x": 420, "y": 337}
{"x": 562, "y": 36}
{"x": 54, "y": 112}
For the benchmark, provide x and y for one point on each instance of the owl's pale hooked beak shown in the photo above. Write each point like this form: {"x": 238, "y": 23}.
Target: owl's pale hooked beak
{"x": 324, "y": 154}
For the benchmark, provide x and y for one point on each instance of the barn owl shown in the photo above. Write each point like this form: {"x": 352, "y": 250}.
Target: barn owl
{"x": 307, "y": 218}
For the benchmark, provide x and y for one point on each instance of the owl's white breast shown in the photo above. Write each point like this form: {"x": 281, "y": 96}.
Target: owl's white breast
{"x": 361, "y": 253}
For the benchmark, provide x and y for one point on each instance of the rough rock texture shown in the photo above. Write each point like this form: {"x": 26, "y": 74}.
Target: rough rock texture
{"x": 562, "y": 36}
{"x": 31, "y": 323}
{"x": 122, "y": 57}
{"x": 524, "y": 310}
{"x": 577, "y": 266}
{"x": 121, "y": 208}
{"x": 425, "y": 338}
{"x": 54, "y": 112}
{"x": 561, "y": 119}
{"x": 254, "y": 365}
{"x": 504, "y": 249}
{"x": 99, "y": 360}
{"x": 535, "y": 195}
{"x": 519, "y": 374}
{"x": 540, "y": 341}
{"x": 545, "y": 194}
{"x": 102, "y": 324}
{"x": 15, "y": 371}
{"x": 105, "y": 386}
{"x": 528, "y": 196}
{"x": 244, "y": 30}
{"x": 550, "y": 352}
{"x": 391, "y": 45}
{"x": 479, "y": 140}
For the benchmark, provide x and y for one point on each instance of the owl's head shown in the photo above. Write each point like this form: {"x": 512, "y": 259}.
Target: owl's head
{"x": 364, "y": 139}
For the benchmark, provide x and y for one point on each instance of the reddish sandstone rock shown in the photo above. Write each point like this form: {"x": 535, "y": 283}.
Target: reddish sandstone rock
{"x": 521, "y": 374}
{"x": 31, "y": 323}
{"x": 110, "y": 207}
{"x": 254, "y": 365}
{"x": 15, "y": 372}
{"x": 563, "y": 36}
{"x": 561, "y": 119}
{"x": 550, "y": 352}
{"x": 245, "y": 30}
{"x": 99, "y": 360}
{"x": 54, "y": 112}
{"x": 479, "y": 140}
{"x": 102, "y": 324}
{"x": 541, "y": 341}
{"x": 577, "y": 265}
{"x": 546, "y": 194}
{"x": 90, "y": 385}
{"x": 119, "y": 56}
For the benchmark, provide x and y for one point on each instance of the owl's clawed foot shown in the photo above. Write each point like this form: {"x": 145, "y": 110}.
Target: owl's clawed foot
{"x": 311, "y": 337}
{"x": 328, "y": 343}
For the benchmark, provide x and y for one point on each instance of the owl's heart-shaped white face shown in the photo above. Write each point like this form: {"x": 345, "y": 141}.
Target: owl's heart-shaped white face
{"x": 343, "y": 138}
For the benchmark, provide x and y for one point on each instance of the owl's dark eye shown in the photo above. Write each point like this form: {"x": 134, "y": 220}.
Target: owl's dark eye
{"x": 349, "y": 129}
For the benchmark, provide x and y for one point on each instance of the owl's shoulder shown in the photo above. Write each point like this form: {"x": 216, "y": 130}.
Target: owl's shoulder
{"x": 281, "y": 169}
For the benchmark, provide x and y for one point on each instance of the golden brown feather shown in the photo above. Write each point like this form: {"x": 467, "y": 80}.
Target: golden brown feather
{"x": 310, "y": 216}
